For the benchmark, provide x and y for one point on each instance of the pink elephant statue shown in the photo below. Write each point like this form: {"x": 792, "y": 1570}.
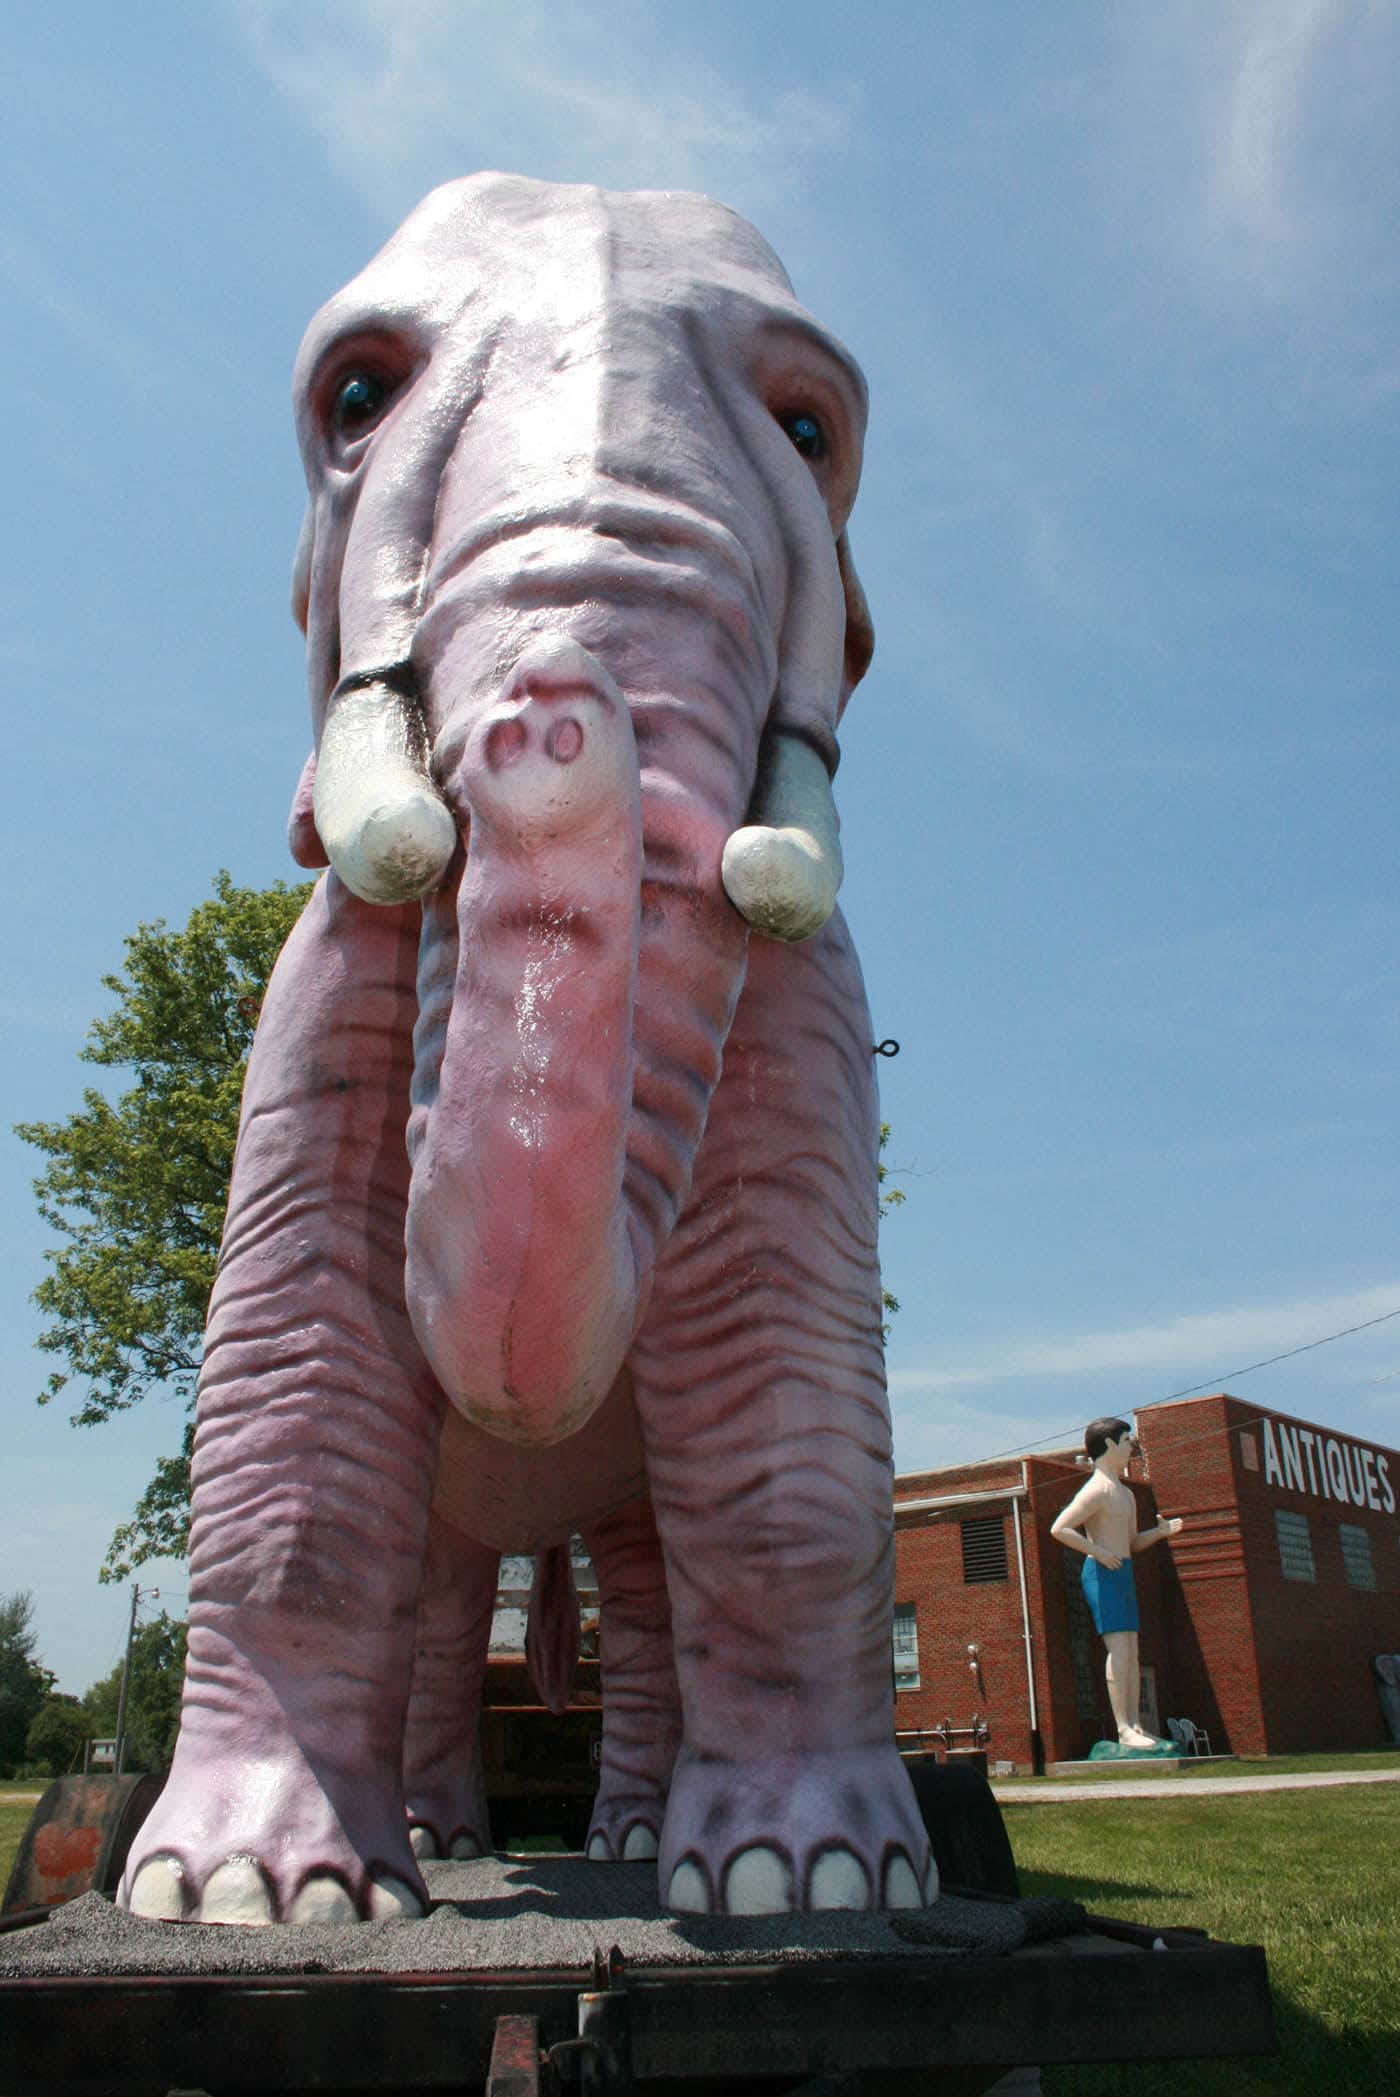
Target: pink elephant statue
{"x": 554, "y": 1206}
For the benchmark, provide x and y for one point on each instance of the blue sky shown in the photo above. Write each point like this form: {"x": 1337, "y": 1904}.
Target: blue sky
{"x": 1119, "y": 792}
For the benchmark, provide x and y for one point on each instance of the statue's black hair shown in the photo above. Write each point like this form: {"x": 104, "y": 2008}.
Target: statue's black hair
{"x": 1099, "y": 1433}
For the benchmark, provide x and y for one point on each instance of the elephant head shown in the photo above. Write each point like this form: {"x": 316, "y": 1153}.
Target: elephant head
{"x": 581, "y": 451}
{"x": 585, "y": 451}
{"x": 615, "y": 358}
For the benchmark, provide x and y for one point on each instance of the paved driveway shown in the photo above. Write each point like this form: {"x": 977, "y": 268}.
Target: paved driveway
{"x": 1050, "y": 1793}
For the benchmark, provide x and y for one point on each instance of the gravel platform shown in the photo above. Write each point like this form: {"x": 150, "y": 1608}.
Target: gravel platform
{"x": 510, "y": 1911}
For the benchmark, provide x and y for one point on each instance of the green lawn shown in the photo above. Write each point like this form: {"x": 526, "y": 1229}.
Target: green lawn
{"x": 1313, "y": 1876}
{"x": 14, "y": 1819}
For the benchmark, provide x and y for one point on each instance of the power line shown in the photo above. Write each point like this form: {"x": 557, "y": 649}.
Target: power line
{"x": 1213, "y": 1383}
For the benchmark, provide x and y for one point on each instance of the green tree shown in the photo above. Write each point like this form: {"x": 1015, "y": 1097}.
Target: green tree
{"x": 894, "y": 1199}
{"x": 136, "y": 1186}
{"x": 24, "y": 1684}
{"x": 152, "y": 1695}
{"x": 57, "y": 1735}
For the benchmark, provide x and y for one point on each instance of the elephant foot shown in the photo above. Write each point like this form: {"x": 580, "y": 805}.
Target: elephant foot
{"x": 453, "y": 1823}
{"x": 797, "y": 1832}
{"x": 626, "y": 1822}
{"x": 556, "y": 755}
{"x": 261, "y": 1842}
{"x": 462, "y": 1843}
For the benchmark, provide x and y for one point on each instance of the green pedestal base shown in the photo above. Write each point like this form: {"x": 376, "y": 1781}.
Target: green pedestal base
{"x": 1114, "y": 1751}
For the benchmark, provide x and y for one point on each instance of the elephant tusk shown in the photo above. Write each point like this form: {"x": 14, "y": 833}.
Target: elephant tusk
{"x": 385, "y": 827}
{"x": 783, "y": 870}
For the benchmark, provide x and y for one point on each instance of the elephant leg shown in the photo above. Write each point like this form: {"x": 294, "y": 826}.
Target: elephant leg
{"x": 641, "y": 1702}
{"x": 317, "y": 1434}
{"x": 444, "y": 1787}
{"x": 760, "y": 1383}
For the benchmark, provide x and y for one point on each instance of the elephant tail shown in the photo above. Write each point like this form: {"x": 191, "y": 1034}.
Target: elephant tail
{"x": 552, "y": 1628}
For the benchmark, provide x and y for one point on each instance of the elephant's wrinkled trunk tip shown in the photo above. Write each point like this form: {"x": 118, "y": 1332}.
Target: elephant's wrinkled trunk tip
{"x": 386, "y": 829}
{"x": 783, "y": 870}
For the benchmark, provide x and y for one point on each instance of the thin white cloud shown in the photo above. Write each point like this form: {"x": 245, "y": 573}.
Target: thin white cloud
{"x": 403, "y": 94}
{"x": 32, "y": 279}
{"x": 1200, "y": 1346}
{"x": 1271, "y": 77}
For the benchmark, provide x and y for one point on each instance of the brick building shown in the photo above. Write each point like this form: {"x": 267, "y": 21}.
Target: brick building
{"x": 1260, "y": 1622}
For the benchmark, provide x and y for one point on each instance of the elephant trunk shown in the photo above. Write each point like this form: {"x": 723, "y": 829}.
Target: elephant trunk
{"x": 577, "y": 978}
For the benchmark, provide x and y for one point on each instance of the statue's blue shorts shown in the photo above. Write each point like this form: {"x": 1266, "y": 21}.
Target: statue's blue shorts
{"x": 1112, "y": 1597}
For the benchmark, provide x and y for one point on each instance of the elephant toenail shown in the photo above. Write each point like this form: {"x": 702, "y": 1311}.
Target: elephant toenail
{"x": 641, "y": 1841}
{"x": 236, "y": 1892}
{"x": 690, "y": 1890}
{"x": 423, "y": 1842}
{"x": 463, "y": 1848}
{"x": 839, "y": 1880}
{"x": 901, "y": 1889}
{"x": 564, "y": 740}
{"x": 324, "y": 1898}
{"x": 599, "y": 1848}
{"x": 758, "y": 1882}
{"x": 158, "y": 1890}
{"x": 392, "y": 1898}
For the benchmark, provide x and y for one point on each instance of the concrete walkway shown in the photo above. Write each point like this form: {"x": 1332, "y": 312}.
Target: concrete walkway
{"x": 1047, "y": 1792}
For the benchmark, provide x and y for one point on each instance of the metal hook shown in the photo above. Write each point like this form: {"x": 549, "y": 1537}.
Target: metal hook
{"x": 886, "y": 1048}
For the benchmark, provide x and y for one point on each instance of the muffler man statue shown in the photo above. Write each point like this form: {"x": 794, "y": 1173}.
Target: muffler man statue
{"x": 1101, "y": 1521}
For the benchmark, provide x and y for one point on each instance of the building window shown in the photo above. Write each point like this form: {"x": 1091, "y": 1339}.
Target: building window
{"x": 984, "y": 1549}
{"x": 1088, "y": 1680}
{"x": 906, "y": 1646}
{"x": 1356, "y": 1555}
{"x": 1295, "y": 1553}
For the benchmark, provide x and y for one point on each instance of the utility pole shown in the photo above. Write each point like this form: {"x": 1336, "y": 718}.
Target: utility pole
{"x": 154, "y": 1595}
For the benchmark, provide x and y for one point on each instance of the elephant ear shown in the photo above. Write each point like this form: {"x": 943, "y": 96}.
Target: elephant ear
{"x": 303, "y": 838}
{"x": 860, "y": 631}
{"x": 301, "y": 567}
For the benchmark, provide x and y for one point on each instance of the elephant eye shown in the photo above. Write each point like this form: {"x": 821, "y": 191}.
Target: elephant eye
{"x": 359, "y": 401}
{"x": 807, "y": 435}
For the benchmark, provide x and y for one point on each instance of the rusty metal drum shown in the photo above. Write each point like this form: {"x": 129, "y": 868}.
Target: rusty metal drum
{"x": 77, "y": 1840}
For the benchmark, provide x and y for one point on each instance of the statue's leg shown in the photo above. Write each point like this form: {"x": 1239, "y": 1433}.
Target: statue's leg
{"x": 760, "y": 1385}
{"x": 1122, "y": 1674}
{"x": 444, "y": 1788}
{"x": 314, "y": 1454}
{"x": 641, "y": 1702}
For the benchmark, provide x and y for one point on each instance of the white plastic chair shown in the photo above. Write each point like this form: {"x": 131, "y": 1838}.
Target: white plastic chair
{"x": 1192, "y": 1738}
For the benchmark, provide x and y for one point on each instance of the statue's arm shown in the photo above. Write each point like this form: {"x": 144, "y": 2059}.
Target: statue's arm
{"x": 1069, "y": 1528}
{"x": 1159, "y": 1532}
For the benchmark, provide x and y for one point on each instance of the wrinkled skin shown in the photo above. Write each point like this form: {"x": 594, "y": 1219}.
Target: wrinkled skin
{"x": 554, "y": 1203}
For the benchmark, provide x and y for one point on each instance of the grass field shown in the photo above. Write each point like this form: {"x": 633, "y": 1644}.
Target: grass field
{"x": 1313, "y": 1876}
{"x": 14, "y": 1819}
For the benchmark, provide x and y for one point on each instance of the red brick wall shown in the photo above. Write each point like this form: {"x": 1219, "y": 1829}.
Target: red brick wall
{"x": 1315, "y": 1640}
{"x": 1289, "y": 1660}
{"x": 1191, "y": 1463}
{"x": 952, "y": 1616}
